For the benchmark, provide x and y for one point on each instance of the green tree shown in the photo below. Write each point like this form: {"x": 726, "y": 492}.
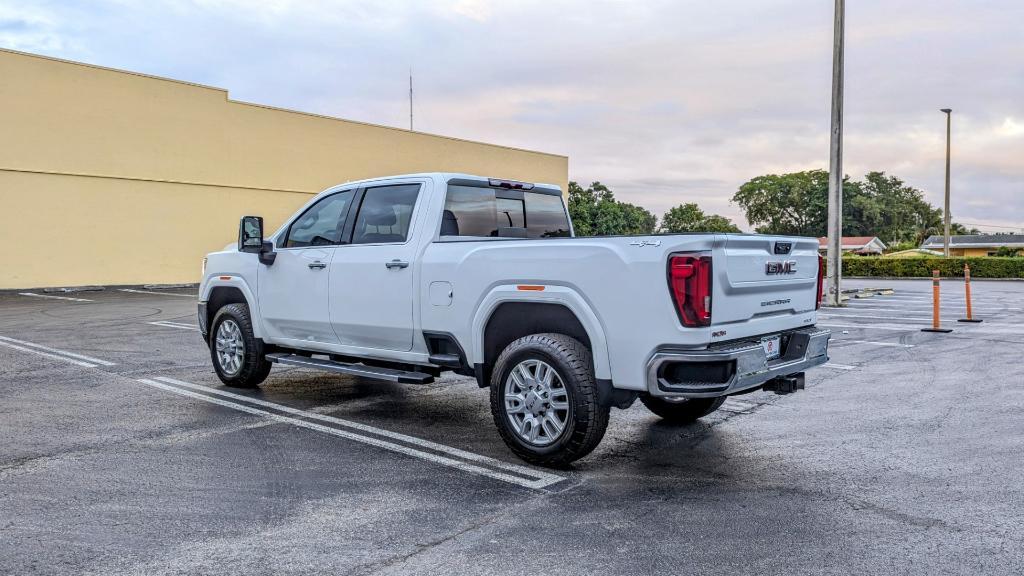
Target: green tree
{"x": 897, "y": 212}
{"x": 690, "y": 218}
{"x": 596, "y": 212}
{"x": 880, "y": 205}
{"x": 795, "y": 203}
{"x": 582, "y": 205}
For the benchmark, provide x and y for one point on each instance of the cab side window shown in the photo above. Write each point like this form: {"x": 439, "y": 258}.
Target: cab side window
{"x": 385, "y": 214}
{"x": 322, "y": 224}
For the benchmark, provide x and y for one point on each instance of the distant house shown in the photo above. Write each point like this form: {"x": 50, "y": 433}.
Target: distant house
{"x": 856, "y": 244}
{"x": 976, "y": 244}
{"x": 914, "y": 253}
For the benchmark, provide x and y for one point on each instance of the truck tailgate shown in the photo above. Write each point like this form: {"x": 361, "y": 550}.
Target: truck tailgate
{"x": 765, "y": 276}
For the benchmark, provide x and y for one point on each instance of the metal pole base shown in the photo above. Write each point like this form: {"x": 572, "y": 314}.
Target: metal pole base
{"x": 973, "y": 320}
{"x": 942, "y": 330}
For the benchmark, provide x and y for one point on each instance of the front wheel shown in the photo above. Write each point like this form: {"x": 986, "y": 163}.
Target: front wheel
{"x": 683, "y": 410}
{"x": 544, "y": 400}
{"x": 237, "y": 354}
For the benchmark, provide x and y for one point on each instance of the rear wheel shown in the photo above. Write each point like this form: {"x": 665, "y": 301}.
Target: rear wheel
{"x": 238, "y": 355}
{"x": 682, "y": 410}
{"x": 544, "y": 400}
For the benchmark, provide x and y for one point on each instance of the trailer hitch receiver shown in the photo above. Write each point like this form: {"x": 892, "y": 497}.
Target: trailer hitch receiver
{"x": 785, "y": 384}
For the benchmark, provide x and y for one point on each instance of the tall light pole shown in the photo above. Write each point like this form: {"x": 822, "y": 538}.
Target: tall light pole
{"x": 945, "y": 213}
{"x": 835, "y": 165}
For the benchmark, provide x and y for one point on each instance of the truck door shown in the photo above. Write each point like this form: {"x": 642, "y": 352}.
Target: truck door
{"x": 372, "y": 277}
{"x": 293, "y": 292}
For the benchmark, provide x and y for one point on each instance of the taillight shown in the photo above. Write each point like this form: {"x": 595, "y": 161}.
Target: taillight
{"x": 689, "y": 279}
{"x": 821, "y": 281}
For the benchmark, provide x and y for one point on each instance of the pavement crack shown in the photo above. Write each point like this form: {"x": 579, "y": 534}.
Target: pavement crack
{"x": 420, "y": 548}
{"x": 896, "y": 515}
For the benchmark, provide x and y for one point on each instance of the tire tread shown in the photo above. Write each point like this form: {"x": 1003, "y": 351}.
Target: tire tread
{"x": 591, "y": 418}
{"x": 255, "y": 367}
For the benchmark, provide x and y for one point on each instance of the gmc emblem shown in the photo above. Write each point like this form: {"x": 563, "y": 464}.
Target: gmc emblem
{"x": 784, "y": 267}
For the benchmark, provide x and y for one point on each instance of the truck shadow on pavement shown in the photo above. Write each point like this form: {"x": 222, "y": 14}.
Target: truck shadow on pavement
{"x": 457, "y": 413}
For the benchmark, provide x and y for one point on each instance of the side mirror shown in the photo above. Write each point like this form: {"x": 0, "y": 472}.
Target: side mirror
{"x": 250, "y": 239}
{"x": 250, "y": 234}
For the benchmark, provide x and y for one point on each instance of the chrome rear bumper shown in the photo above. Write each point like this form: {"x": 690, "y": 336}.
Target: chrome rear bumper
{"x": 739, "y": 366}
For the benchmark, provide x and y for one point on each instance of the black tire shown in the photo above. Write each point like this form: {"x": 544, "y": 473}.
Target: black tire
{"x": 586, "y": 419}
{"x": 683, "y": 411}
{"x": 253, "y": 367}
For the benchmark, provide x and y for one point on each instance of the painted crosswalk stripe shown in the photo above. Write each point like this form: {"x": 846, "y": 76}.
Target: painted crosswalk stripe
{"x": 838, "y": 366}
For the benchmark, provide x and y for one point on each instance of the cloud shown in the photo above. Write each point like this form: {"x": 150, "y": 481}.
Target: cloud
{"x": 665, "y": 101}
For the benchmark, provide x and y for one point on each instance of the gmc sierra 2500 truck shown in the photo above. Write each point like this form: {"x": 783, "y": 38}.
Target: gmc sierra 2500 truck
{"x": 402, "y": 278}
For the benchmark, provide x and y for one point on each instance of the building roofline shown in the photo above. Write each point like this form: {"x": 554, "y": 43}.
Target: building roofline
{"x": 977, "y": 245}
{"x": 109, "y": 69}
{"x": 227, "y": 97}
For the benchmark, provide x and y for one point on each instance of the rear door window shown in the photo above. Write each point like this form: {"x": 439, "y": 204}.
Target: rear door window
{"x": 385, "y": 214}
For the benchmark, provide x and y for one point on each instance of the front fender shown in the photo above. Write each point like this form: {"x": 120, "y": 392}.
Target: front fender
{"x": 214, "y": 281}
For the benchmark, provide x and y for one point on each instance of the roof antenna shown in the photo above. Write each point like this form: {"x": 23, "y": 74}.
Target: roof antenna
{"x": 410, "y": 99}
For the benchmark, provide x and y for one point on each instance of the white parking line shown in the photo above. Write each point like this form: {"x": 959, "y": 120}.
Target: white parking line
{"x": 915, "y": 309}
{"x": 872, "y": 343}
{"x": 154, "y": 292}
{"x": 838, "y": 366}
{"x": 48, "y": 355}
{"x": 33, "y": 294}
{"x": 948, "y": 317}
{"x": 89, "y": 361}
{"x": 453, "y": 457}
{"x": 170, "y": 324}
{"x": 893, "y": 327}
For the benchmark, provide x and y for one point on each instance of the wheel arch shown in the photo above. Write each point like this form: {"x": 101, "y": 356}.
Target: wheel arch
{"x": 508, "y": 315}
{"x": 224, "y": 294}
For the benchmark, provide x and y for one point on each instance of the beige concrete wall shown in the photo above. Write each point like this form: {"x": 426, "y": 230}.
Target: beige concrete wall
{"x": 111, "y": 177}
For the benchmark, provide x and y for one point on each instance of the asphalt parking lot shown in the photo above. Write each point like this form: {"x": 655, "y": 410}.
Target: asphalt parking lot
{"x": 121, "y": 453}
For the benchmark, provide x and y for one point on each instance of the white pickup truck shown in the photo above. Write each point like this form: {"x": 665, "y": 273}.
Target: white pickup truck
{"x": 402, "y": 278}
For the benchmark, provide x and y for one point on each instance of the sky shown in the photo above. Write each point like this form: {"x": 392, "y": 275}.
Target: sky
{"x": 663, "y": 101}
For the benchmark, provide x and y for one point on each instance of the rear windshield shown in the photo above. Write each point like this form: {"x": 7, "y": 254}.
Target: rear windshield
{"x": 494, "y": 212}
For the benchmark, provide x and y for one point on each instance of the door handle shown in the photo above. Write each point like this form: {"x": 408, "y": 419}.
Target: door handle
{"x": 317, "y": 265}
{"x": 396, "y": 264}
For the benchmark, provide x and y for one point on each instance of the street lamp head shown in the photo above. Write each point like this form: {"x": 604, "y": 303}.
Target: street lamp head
{"x": 946, "y": 110}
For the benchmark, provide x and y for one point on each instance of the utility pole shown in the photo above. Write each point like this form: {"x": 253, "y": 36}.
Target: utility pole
{"x": 835, "y": 165}
{"x": 945, "y": 213}
{"x": 410, "y": 99}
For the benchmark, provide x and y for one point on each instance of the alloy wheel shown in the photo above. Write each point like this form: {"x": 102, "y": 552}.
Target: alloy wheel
{"x": 536, "y": 402}
{"x": 230, "y": 347}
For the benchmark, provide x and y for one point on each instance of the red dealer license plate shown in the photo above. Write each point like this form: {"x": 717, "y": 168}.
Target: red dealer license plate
{"x": 772, "y": 346}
